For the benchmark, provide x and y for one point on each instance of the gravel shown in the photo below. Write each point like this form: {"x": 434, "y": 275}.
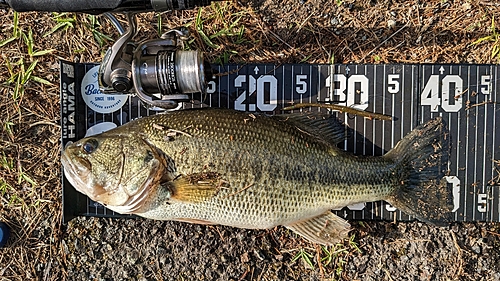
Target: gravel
{"x": 139, "y": 249}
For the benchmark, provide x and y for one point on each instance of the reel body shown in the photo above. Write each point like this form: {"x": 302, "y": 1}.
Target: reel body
{"x": 158, "y": 71}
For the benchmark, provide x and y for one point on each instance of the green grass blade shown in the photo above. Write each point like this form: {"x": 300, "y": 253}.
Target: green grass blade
{"x": 61, "y": 25}
{"x": 41, "y": 80}
{"x": 24, "y": 37}
{"x": 7, "y": 41}
{"x": 159, "y": 22}
{"x": 306, "y": 58}
{"x": 42, "y": 53}
{"x": 15, "y": 32}
{"x": 26, "y": 178}
{"x": 199, "y": 29}
{"x": 28, "y": 72}
{"x": 29, "y": 42}
{"x": 482, "y": 39}
{"x": 495, "y": 50}
{"x": 493, "y": 26}
{"x": 18, "y": 89}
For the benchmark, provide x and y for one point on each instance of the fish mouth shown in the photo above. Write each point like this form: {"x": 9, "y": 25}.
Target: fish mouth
{"x": 77, "y": 172}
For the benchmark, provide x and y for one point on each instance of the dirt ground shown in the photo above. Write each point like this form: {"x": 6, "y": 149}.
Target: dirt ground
{"x": 279, "y": 31}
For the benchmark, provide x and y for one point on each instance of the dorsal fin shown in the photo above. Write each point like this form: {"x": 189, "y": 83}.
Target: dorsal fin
{"x": 322, "y": 125}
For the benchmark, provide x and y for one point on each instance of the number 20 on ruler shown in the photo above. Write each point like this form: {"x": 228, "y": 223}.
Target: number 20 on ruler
{"x": 255, "y": 85}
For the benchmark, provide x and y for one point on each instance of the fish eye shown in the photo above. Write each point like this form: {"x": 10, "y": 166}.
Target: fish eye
{"x": 90, "y": 146}
{"x": 149, "y": 156}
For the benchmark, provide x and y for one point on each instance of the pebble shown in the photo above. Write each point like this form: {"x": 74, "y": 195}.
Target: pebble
{"x": 162, "y": 259}
{"x": 132, "y": 256}
{"x": 259, "y": 254}
{"x": 391, "y": 24}
{"x": 244, "y": 258}
{"x": 477, "y": 249}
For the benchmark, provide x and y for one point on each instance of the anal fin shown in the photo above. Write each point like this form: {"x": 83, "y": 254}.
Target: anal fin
{"x": 325, "y": 229}
{"x": 195, "y": 188}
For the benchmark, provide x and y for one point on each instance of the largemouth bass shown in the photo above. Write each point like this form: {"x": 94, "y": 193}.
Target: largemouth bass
{"x": 248, "y": 170}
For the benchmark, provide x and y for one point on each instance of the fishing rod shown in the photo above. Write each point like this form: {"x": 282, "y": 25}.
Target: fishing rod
{"x": 101, "y": 6}
{"x": 158, "y": 71}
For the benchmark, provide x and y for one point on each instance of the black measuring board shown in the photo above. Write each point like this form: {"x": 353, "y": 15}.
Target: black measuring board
{"x": 465, "y": 96}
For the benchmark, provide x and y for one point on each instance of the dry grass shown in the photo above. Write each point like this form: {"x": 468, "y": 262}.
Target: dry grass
{"x": 244, "y": 31}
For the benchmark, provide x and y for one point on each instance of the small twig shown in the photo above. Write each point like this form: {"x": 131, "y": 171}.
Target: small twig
{"x": 288, "y": 45}
{"x": 303, "y": 22}
{"x": 383, "y": 42}
{"x": 489, "y": 4}
{"x": 493, "y": 233}
{"x": 158, "y": 127}
{"x": 461, "y": 94}
{"x": 459, "y": 251}
{"x": 297, "y": 249}
{"x": 244, "y": 274}
{"x": 220, "y": 234}
{"x": 45, "y": 123}
{"x": 239, "y": 191}
{"x": 227, "y": 73}
{"x": 388, "y": 274}
{"x": 318, "y": 260}
{"x": 408, "y": 241}
{"x": 341, "y": 108}
{"x": 178, "y": 132}
{"x": 479, "y": 104}
{"x": 262, "y": 273}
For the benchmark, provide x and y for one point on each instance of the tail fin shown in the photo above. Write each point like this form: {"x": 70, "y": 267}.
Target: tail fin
{"x": 423, "y": 159}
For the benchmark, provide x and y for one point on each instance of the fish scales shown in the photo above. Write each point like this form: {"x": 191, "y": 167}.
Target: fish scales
{"x": 219, "y": 166}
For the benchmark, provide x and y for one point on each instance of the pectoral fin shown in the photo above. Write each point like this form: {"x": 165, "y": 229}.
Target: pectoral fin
{"x": 194, "y": 188}
{"x": 325, "y": 229}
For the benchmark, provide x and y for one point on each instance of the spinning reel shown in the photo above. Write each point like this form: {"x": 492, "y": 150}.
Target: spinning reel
{"x": 158, "y": 71}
